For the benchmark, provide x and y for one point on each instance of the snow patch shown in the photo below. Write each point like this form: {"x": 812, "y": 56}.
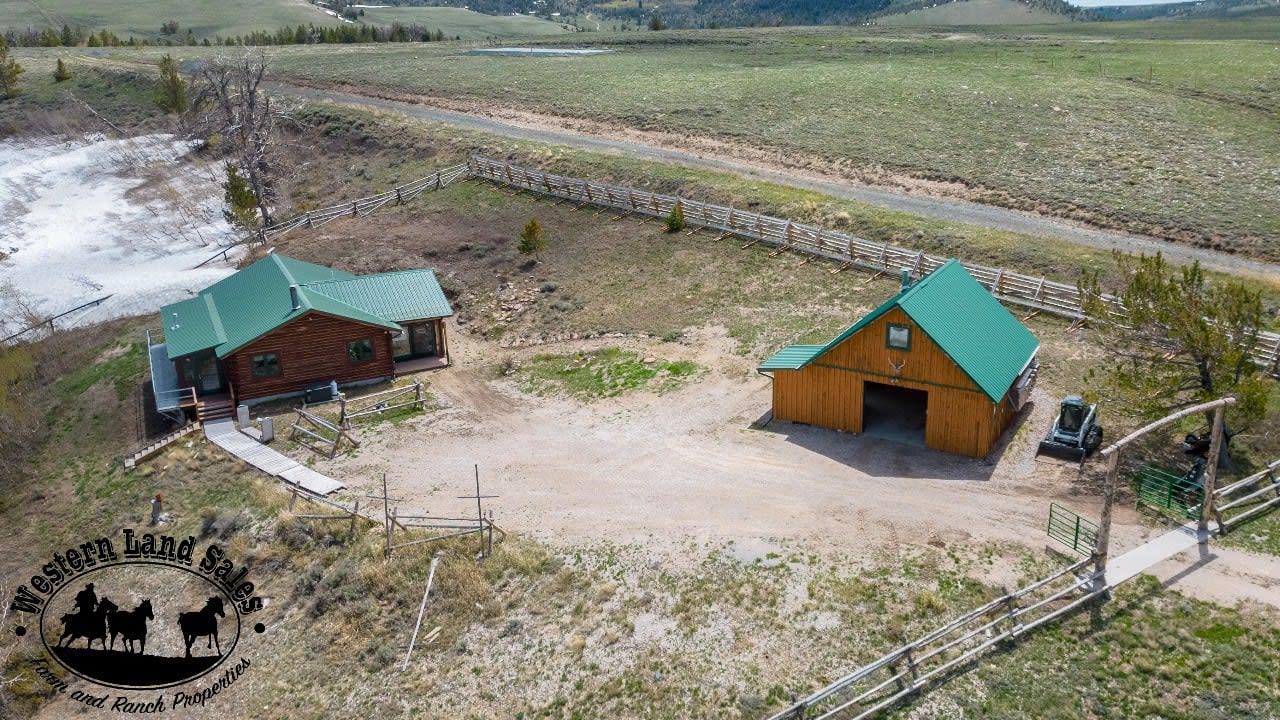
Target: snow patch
{"x": 91, "y": 217}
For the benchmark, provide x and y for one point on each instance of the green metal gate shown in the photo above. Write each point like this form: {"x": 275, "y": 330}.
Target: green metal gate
{"x": 1165, "y": 491}
{"x": 1072, "y": 530}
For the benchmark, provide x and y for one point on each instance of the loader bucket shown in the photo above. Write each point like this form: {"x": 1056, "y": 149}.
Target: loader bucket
{"x": 1061, "y": 450}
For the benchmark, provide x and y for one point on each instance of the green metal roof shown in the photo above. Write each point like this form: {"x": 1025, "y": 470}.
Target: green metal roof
{"x": 983, "y": 338}
{"x": 398, "y": 296}
{"x": 792, "y": 357}
{"x": 256, "y": 300}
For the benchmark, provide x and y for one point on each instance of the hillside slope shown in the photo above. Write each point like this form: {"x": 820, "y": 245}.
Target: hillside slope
{"x": 143, "y": 18}
{"x": 975, "y": 12}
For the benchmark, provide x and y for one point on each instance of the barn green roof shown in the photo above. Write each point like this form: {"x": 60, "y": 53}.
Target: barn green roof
{"x": 241, "y": 308}
{"x": 983, "y": 338}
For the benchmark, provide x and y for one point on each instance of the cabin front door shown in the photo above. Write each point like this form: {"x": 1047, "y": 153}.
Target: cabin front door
{"x": 418, "y": 340}
{"x": 422, "y": 339}
{"x": 210, "y": 377}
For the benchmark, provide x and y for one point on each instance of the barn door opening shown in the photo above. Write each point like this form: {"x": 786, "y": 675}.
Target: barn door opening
{"x": 894, "y": 413}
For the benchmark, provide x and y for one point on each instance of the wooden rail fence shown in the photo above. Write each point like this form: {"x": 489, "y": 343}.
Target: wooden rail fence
{"x": 379, "y": 402}
{"x": 848, "y": 251}
{"x": 1037, "y": 293}
{"x": 876, "y": 686}
{"x": 1246, "y": 497}
{"x": 355, "y": 208}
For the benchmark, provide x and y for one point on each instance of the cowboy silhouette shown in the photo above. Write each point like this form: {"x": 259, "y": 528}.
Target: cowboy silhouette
{"x": 86, "y": 600}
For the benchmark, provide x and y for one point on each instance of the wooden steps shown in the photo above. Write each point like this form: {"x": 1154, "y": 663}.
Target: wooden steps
{"x": 209, "y": 409}
{"x": 155, "y": 447}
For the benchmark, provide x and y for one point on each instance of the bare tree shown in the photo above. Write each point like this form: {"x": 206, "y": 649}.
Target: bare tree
{"x": 234, "y": 116}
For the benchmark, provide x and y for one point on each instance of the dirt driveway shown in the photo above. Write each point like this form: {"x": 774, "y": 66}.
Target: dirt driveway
{"x": 665, "y": 470}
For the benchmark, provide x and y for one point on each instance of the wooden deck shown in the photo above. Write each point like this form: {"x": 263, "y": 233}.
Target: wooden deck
{"x": 405, "y": 367}
{"x": 224, "y": 434}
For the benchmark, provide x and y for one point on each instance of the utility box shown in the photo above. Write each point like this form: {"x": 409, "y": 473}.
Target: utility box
{"x": 242, "y": 416}
{"x": 319, "y": 392}
{"x": 268, "y": 429}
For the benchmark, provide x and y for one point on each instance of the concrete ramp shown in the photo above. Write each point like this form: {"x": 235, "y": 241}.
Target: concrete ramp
{"x": 224, "y": 434}
{"x": 1129, "y": 565}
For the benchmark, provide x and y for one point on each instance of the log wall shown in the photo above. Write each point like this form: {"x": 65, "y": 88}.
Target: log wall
{"x": 312, "y": 349}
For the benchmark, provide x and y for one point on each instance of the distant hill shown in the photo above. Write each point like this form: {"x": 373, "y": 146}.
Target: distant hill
{"x": 977, "y": 12}
{"x": 144, "y": 19}
{"x": 641, "y": 14}
{"x": 1191, "y": 10}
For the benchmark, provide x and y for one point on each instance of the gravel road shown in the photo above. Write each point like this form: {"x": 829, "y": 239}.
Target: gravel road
{"x": 642, "y": 146}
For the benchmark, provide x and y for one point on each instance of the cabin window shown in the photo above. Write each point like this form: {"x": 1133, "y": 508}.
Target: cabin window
{"x": 360, "y": 350}
{"x": 266, "y": 365}
{"x": 899, "y": 337}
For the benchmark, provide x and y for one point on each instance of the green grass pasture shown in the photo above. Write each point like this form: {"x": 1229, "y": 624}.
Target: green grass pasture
{"x": 1173, "y": 137}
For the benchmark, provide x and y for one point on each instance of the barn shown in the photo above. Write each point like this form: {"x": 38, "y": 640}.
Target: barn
{"x": 942, "y": 363}
{"x": 281, "y": 325}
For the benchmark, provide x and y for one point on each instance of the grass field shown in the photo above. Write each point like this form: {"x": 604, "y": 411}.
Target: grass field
{"x": 142, "y": 18}
{"x": 1173, "y": 137}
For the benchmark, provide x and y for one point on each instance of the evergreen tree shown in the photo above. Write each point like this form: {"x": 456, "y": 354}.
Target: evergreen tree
{"x": 242, "y": 205}
{"x": 62, "y": 73}
{"x": 532, "y": 241}
{"x": 172, "y": 95}
{"x": 675, "y": 220}
{"x": 9, "y": 72}
{"x": 1175, "y": 339}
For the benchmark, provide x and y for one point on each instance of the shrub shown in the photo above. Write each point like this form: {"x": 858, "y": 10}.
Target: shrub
{"x": 532, "y": 241}
{"x": 675, "y": 220}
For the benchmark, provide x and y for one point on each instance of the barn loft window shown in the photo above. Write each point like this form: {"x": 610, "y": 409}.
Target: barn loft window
{"x": 899, "y": 337}
{"x": 360, "y": 350}
{"x": 266, "y": 365}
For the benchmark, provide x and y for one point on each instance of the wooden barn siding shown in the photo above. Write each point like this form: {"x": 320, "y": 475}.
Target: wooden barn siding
{"x": 828, "y": 393}
{"x": 312, "y": 349}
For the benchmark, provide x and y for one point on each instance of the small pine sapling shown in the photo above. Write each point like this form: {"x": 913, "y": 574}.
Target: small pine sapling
{"x": 532, "y": 241}
{"x": 62, "y": 73}
{"x": 675, "y": 219}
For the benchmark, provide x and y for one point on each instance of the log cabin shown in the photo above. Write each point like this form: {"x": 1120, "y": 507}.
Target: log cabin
{"x": 281, "y": 326}
{"x": 942, "y": 363}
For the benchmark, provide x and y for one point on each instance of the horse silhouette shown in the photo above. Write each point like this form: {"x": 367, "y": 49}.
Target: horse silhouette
{"x": 90, "y": 626}
{"x": 132, "y": 624}
{"x": 202, "y": 622}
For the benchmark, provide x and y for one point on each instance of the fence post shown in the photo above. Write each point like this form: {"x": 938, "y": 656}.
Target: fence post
{"x": 354, "y": 210}
{"x": 1104, "y": 524}
{"x": 1011, "y": 608}
{"x": 351, "y": 532}
{"x": 1211, "y": 469}
{"x": 911, "y": 666}
{"x": 399, "y": 197}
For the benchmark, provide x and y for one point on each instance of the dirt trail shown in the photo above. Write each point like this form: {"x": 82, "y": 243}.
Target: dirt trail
{"x": 666, "y": 470}
{"x": 915, "y": 196}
